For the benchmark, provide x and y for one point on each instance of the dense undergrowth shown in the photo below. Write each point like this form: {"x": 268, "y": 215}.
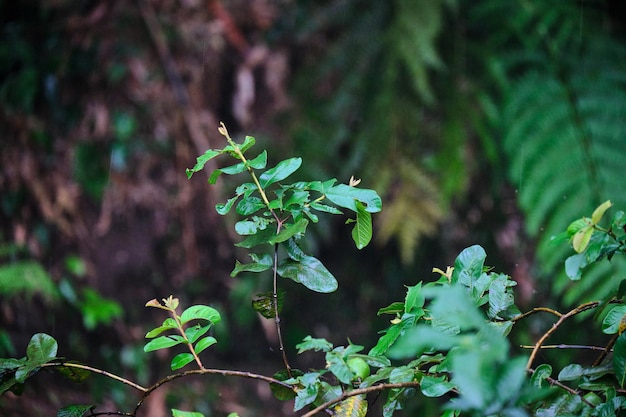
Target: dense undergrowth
{"x": 447, "y": 339}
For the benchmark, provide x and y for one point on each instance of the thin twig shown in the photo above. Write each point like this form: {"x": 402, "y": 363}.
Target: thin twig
{"x": 563, "y": 346}
{"x": 96, "y": 371}
{"x": 606, "y": 350}
{"x": 555, "y": 326}
{"x": 536, "y": 310}
{"x": 564, "y": 387}
{"x": 223, "y": 372}
{"x": 279, "y": 223}
{"x": 281, "y": 346}
{"x": 360, "y": 391}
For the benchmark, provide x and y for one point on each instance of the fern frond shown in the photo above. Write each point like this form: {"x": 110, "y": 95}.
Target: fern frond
{"x": 565, "y": 137}
{"x": 413, "y": 206}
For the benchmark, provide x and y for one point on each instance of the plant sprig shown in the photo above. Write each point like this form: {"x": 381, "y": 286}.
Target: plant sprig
{"x": 203, "y": 317}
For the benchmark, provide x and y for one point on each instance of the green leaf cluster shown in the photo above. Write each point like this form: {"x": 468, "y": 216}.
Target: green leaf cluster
{"x": 190, "y": 328}
{"x": 276, "y": 213}
{"x": 41, "y": 349}
{"x": 592, "y": 242}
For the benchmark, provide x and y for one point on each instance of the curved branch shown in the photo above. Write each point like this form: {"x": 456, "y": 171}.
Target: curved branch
{"x": 97, "y": 371}
{"x": 359, "y": 391}
{"x": 223, "y": 372}
{"x": 564, "y": 387}
{"x": 536, "y": 310}
{"x": 555, "y": 326}
{"x": 564, "y": 346}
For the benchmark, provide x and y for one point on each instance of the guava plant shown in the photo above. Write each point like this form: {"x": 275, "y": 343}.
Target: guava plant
{"x": 448, "y": 338}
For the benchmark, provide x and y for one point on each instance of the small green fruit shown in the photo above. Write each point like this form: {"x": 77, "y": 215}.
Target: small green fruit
{"x": 359, "y": 368}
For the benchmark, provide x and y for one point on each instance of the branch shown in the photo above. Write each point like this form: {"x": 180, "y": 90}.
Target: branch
{"x": 223, "y": 372}
{"x": 96, "y": 371}
{"x": 359, "y": 391}
{"x": 563, "y": 346}
{"x": 559, "y": 384}
{"x": 536, "y": 310}
{"x": 555, "y": 326}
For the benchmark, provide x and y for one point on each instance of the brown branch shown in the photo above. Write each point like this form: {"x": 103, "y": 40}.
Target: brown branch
{"x": 281, "y": 346}
{"x": 536, "y": 310}
{"x": 606, "y": 350}
{"x": 564, "y": 387}
{"x": 223, "y": 372}
{"x": 359, "y": 391}
{"x": 555, "y": 326}
{"x": 564, "y": 346}
{"x": 96, "y": 371}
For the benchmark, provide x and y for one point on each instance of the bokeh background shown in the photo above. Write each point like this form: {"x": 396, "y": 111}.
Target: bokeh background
{"x": 492, "y": 122}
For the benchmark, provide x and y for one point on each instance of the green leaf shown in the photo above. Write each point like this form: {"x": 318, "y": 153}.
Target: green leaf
{"x": 260, "y": 264}
{"x": 325, "y": 208}
{"x": 223, "y": 209}
{"x": 435, "y": 386}
{"x": 281, "y": 392}
{"x": 542, "y": 372}
{"x": 251, "y": 226}
{"x": 260, "y": 237}
{"x": 201, "y": 161}
{"x": 168, "y": 324}
{"x": 290, "y": 230}
{"x": 338, "y": 366}
{"x": 310, "y": 343}
{"x": 613, "y": 319}
{"x": 10, "y": 364}
{"x": 346, "y": 197}
{"x": 309, "y": 272}
{"x": 377, "y": 361}
{"x": 41, "y": 349}
{"x": 204, "y": 343}
{"x": 179, "y": 413}
{"x": 229, "y": 170}
{"x": 200, "y": 312}
{"x": 468, "y": 266}
{"x": 414, "y": 298}
{"x": 163, "y": 342}
{"x": 264, "y": 303}
{"x": 260, "y": 161}
{"x": 581, "y": 239}
{"x": 388, "y": 339}
{"x": 577, "y": 225}
{"x": 575, "y": 371}
{"x": 402, "y": 374}
{"x": 511, "y": 378}
{"x": 574, "y": 265}
{"x": 248, "y": 142}
{"x": 250, "y": 205}
{"x": 281, "y": 171}
{"x": 396, "y": 307}
{"x": 181, "y": 360}
{"x": 74, "y": 410}
{"x": 619, "y": 360}
{"x": 500, "y": 297}
{"x": 599, "y": 211}
{"x": 296, "y": 199}
{"x": 308, "y": 394}
{"x": 72, "y": 373}
{"x": 193, "y": 333}
{"x": 362, "y": 231}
